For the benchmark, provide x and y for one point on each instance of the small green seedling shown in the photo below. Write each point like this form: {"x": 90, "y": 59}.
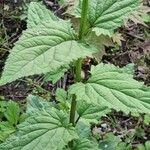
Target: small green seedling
{"x": 10, "y": 116}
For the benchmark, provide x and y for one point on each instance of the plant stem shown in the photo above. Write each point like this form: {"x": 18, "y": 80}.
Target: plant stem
{"x": 78, "y": 64}
{"x": 83, "y": 21}
{"x": 78, "y": 67}
{"x": 72, "y": 111}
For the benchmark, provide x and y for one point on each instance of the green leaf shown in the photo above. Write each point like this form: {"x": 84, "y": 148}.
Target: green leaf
{"x": 110, "y": 142}
{"x": 91, "y": 112}
{"x": 85, "y": 144}
{"x": 104, "y": 16}
{"x": 113, "y": 88}
{"x": 43, "y": 49}
{"x": 49, "y": 130}
{"x": 124, "y": 146}
{"x": 144, "y": 147}
{"x": 147, "y": 119}
{"x": 146, "y": 18}
{"x": 61, "y": 95}
{"x": 22, "y": 118}
{"x": 103, "y": 68}
{"x": 36, "y": 103}
{"x": 5, "y": 130}
{"x": 63, "y": 99}
{"x": 108, "y": 15}
{"x": 3, "y": 106}
{"x": 37, "y": 13}
{"x": 140, "y": 147}
{"x": 147, "y": 145}
{"x": 83, "y": 129}
{"x": 55, "y": 76}
{"x": 61, "y": 2}
{"x": 12, "y": 112}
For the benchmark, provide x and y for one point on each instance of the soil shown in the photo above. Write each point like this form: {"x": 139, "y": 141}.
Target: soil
{"x": 129, "y": 129}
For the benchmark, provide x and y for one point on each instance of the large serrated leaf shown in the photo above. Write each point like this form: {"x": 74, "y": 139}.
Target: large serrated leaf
{"x": 115, "y": 89}
{"x": 37, "y": 13}
{"x": 106, "y": 15}
{"x": 43, "y": 49}
{"x": 49, "y": 130}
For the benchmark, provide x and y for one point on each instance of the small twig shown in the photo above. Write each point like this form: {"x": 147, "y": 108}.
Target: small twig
{"x": 135, "y": 36}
